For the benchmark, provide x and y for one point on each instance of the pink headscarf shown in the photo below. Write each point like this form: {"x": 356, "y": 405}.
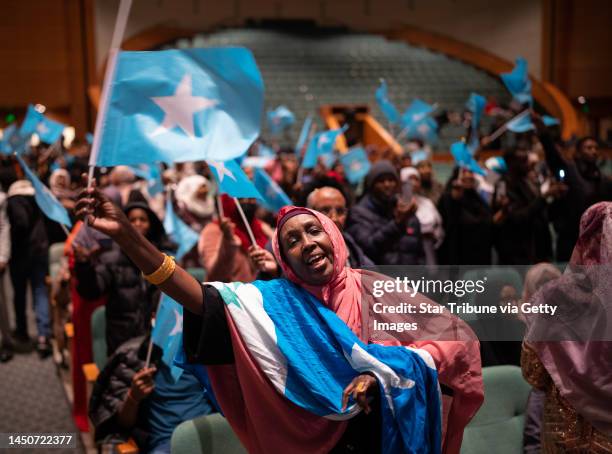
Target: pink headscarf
{"x": 581, "y": 371}
{"x": 457, "y": 361}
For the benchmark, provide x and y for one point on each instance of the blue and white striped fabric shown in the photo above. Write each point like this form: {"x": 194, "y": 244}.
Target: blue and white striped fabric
{"x": 310, "y": 355}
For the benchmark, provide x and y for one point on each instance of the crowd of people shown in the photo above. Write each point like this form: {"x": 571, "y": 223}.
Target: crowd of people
{"x": 400, "y": 214}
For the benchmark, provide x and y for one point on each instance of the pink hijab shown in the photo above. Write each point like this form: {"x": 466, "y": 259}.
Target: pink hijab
{"x": 457, "y": 357}
{"x": 581, "y": 371}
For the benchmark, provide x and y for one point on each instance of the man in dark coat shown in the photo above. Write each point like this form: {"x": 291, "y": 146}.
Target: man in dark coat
{"x": 29, "y": 262}
{"x": 524, "y": 211}
{"x": 586, "y": 185}
{"x": 332, "y": 203}
{"x": 383, "y": 224}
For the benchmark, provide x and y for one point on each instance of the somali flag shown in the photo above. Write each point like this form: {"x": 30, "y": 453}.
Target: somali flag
{"x": 232, "y": 180}
{"x": 152, "y": 175}
{"x": 475, "y": 104}
{"x": 14, "y": 142}
{"x": 518, "y": 83}
{"x": 181, "y": 233}
{"x": 416, "y": 112}
{"x": 322, "y": 143}
{"x": 274, "y": 196}
{"x": 180, "y": 105}
{"x": 280, "y": 119}
{"x": 168, "y": 332}
{"x": 45, "y": 199}
{"x": 310, "y": 355}
{"x": 48, "y": 131}
{"x": 356, "y": 164}
{"x": 550, "y": 121}
{"x": 426, "y": 130}
{"x": 386, "y": 105}
{"x": 464, "y": 157}
{"x": 521, "y": 124}
{"x": 303, "y": 135}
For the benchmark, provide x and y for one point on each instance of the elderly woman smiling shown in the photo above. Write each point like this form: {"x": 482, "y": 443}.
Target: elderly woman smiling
{"x": 291, "y": 362}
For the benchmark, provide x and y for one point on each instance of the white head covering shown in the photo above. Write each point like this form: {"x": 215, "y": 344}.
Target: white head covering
{"x": 186, "y": 196}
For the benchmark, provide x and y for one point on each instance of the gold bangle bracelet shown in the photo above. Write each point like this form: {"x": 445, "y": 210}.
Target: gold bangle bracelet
{"x": 161, "y": 274}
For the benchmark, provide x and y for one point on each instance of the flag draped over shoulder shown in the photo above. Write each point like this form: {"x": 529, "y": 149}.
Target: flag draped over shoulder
{"x": 309, "y": 355}
{"x": 181, "y": 105}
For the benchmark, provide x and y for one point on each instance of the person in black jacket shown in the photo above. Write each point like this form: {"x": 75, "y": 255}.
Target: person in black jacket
{"x": 146, "y": 404}
{"x": 524, "y": 211}
{"x": 467, "y": 222}
{"x": 385, "y": 225}
{"x": 130, "y": 298}
{"x": 585, "y": 187}
{"x": 29, "y": 263}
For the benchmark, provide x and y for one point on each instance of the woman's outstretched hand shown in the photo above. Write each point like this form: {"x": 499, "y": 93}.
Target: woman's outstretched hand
{"x": 360, "y": 388}
{"x": 96, "y": 209}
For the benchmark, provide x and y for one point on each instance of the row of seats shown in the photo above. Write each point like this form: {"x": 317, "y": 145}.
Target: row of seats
{"x": 345, "y": 68}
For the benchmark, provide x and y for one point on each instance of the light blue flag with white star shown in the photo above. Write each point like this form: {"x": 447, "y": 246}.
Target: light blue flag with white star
{"x": 386, "y": 105}
{"x": 418, "y": 156}
{"x": 265, "y": 151}
{"x": 274, "y": 196}
{"x": 426, "y": 130}
{"x": 232, "y": 180}
{"x": 168, "y": 332}
{"x": 521, "y": 124}
{"x": 45, "y": 199}
{"x": 48, "y": 131}
{"x": 464, "y": 157}
{"x": 321, "y": 144}
{"x": 180, "y": 105}
{"x": 181, "y": 233}
{"x": 416, "y": 112}
{"x": 303, "y": 134}
{"x": 152, "y": 175}
{"x": 280, "y": 119}
{"x": 13, "y": 142}
{"x": 356, "y": 164}
{"x": 518, "y": 83}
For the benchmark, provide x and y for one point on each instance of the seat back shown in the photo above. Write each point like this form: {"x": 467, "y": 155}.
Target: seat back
{"x": 98, "y": 336}
{"x": 500, "y": 421}
{"x": 210, "y": 434}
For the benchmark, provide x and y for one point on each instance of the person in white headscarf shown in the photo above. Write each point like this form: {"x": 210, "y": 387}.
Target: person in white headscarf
{"x": 195, "y": 201}
{"x": 427, "y": 214}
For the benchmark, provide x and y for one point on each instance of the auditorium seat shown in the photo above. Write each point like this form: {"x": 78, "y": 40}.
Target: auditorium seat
{"x": 210, "y": 434}
{"x": 304, "y": 71}
{"x": 501, "y": 419}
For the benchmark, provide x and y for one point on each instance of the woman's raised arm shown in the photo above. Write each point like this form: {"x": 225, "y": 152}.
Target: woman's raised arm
{"x": 94, "y": 208}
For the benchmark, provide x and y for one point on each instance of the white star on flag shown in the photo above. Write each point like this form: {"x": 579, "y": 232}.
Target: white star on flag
{"x": 42, "y": 128}
{"x": 180, "y": 107}
{"x": 355, "y": 166}
{"x": 423, "y": 129}
{"x": 178, "y": 324}
{"x": 322, "y": 140}
{"x": 222, "y": 170}
{"x": 417, "y": 117}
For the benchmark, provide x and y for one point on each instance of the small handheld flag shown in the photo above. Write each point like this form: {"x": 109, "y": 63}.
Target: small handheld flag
{"x": 48, "y": 131}
{"x": 168, "y": 332}
{"x": 181, "y": 233}
{"x": 475, "y": 104}
{"x": 232, "y": 180}
{"x": 274, "y": 197}
{"x": 550, "y": 121}
{"x": 386, "y": 106}
{"x": 321, "y": 144}
{"x": 46, "y": 201}
{"x": 518, "y": 83}
{"x": 356, "y": 164}
{"x": 280, "y": 119}
{"x": 180, "y": 105}
{"x": 303, "y": 135}
{"x": 152, "y": 175}
{"x": 464, "y": 158}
